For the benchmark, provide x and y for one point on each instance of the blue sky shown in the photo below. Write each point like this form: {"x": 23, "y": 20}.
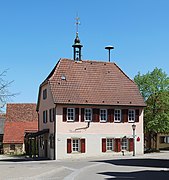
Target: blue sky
{"x": 35, "y": 34}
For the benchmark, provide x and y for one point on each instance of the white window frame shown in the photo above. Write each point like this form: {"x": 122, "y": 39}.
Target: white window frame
{"x": 131, "y": 115}
{"x": 71, "y": 115}
{"x": 124, "y": 144}
{"x": 87, "y": 110}
{"x": 104, "y": 112}
{"x": 109, "y": 144}
{"x": 75, "y": 145}
{"x": 117, "y": 112}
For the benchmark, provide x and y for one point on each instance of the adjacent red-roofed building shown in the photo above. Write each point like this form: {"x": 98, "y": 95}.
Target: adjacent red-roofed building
{"x": 21, "y": 118}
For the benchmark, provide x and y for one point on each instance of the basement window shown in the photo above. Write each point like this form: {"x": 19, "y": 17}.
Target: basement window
{"x": 12, "y": 147}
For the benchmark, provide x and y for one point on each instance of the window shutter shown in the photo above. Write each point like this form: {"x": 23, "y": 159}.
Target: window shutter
{"x": 69, "y": 146}
{"x": 131, "y": 144}
{"x": 82, "y": 142}
{"x": 77, "y": 114}
{"x": 103, "y": 144}
{"x": 110, "y": 115}
{"x": 82, "y": 114}
{"x": 117, "y": 145}
{"x": 64, "y": 114}
{"x": 95, "y": 117}
{"x": 137, "y": 115}
{"x": 124, "y": 115}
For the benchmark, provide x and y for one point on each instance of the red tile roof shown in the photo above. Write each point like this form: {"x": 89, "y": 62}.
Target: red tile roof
{"x": 92, "y": 82}
{"x": 20, "y": 118}
{"x": 14, "y": 132}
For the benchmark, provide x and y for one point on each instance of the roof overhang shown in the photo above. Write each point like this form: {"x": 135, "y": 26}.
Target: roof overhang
{"x": 39, "y": 133}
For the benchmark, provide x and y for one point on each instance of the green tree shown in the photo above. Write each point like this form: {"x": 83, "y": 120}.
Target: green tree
{"x": 154, "y": 87}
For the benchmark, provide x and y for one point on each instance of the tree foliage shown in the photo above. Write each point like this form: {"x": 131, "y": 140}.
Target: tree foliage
{"x": 154, "y": 87}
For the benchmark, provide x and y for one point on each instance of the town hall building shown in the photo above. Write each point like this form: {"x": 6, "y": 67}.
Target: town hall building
{"x": 86, "y": 108}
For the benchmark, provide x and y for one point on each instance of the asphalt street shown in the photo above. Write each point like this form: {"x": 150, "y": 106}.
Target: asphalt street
{"x": 149, "y": 166}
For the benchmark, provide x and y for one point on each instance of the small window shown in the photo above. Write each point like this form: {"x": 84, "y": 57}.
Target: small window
{"x": 124, "y": 144}
{"x": 45, "y": 116}
{"x": 44, "y": 93}
{"x": 41, "y": 141}
{"x": 51, "y": 115}
{"x": 103, "y": 115}
{"x": 131, "y": 115}
{"x": 88, "y": 114}
{"x": 54, "y": 114}
{"x": 12, "y": 147}
{"x": 166, "y": 139}
{"x": 70, "y": 114}
{"x": 109, "y": 144}
{"x": 76, "y": 145}
{"x": 51, "y": 141}
{"x": 117, "y": 115}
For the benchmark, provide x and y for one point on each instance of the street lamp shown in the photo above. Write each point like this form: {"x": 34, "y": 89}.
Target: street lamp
{"x": 134, "y": 128}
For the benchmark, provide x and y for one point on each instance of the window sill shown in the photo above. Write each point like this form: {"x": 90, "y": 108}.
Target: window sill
{"x": 103, "y": 121}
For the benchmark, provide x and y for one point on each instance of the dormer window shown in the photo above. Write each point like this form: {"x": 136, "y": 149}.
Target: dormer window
{"x": 45, "y": 94}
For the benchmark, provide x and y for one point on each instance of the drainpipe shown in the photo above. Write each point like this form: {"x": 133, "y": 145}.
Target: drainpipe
{"x": 55, "y": 135}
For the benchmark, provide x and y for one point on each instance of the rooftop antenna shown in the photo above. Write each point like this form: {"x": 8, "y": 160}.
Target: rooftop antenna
{"x": 109, "y": 48}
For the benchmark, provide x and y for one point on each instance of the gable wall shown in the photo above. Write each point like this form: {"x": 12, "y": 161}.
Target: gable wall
{"x": 46, "y": 104}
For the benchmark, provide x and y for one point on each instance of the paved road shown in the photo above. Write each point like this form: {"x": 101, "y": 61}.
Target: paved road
{"x": 150, "y": 166}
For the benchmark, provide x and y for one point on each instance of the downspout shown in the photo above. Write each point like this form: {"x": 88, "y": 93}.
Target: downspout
{"x": 55, "y": 135}
{"x": 88, "y": 124}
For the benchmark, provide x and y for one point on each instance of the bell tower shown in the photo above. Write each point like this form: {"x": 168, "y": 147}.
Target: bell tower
{"x": 77, "y": 46}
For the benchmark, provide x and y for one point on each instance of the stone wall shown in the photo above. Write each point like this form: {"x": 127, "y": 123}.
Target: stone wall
{"x": 17, "y": 150}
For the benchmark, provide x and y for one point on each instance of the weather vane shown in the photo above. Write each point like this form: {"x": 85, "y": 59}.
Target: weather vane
{"x": 77, "y": 23}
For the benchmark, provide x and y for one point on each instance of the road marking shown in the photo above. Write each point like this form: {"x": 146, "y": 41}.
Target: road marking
{"x": 78, "y": 171}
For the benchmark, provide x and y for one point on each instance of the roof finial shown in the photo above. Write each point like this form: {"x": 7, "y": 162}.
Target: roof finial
{"x": 77, "y": 46}
{"x": 77, "y": 23}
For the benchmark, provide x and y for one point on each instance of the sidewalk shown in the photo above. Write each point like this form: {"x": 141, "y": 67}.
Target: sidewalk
{"x": 159, "y": 155}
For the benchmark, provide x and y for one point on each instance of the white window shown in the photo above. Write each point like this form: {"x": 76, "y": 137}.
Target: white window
{"x": 109, "y": 144}
{"x": 88, "y": 114}
{"x": 70, "y": 114}
{"x": 76, "y": 145}
{"x": 124, "y": 144}
{"x": 103, "y": 115}
{"x": 117, "y": 115}
{"x": 131, "y": 115}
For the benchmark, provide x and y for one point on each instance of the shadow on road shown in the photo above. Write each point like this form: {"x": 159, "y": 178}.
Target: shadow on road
{"x": 158, "y": 163}
{"x": 22, "y": 159}
{"x": 146, "y": 175}
{"x": 137, "y": 175}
